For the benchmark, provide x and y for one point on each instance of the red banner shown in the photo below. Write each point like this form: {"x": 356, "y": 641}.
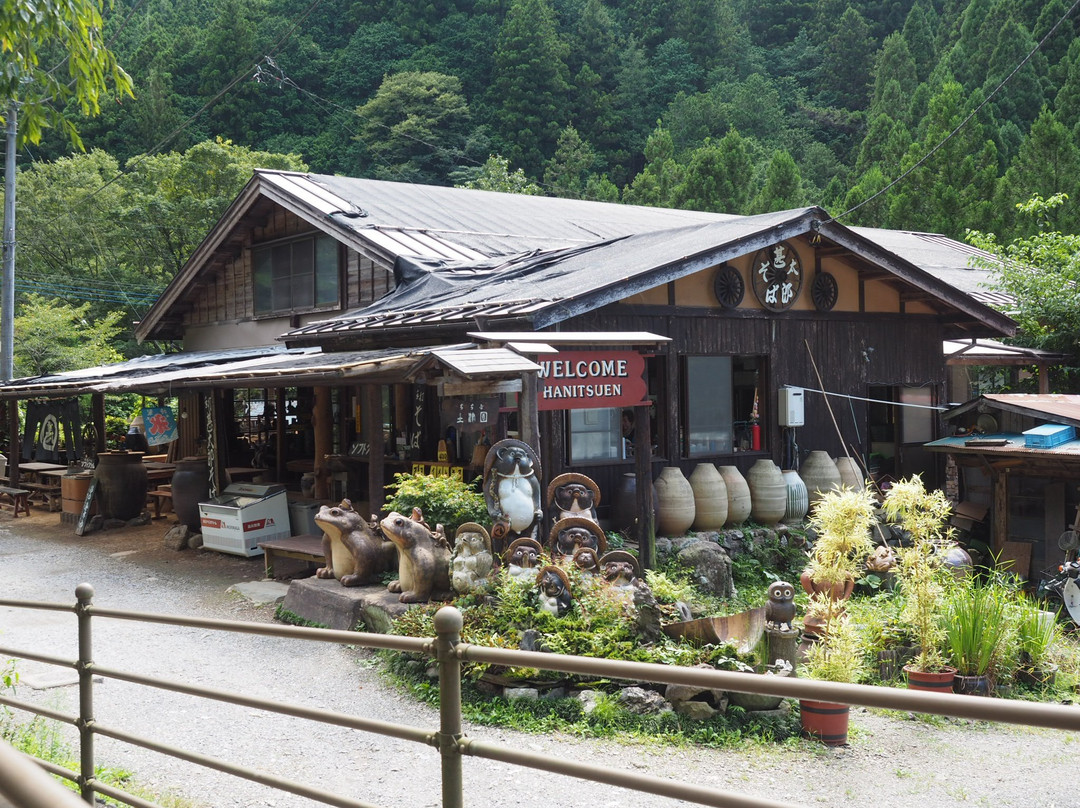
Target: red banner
{"x": 581, "y": 380}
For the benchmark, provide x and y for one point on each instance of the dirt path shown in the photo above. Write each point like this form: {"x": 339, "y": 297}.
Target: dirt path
{"x": 891, "y": 762}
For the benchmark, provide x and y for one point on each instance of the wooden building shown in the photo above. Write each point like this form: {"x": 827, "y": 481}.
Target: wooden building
{"x": 357, "y": 302}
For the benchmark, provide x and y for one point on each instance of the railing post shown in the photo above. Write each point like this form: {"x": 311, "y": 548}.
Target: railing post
{"x": 448, "y": 624}
{"x": 84, "y": 593}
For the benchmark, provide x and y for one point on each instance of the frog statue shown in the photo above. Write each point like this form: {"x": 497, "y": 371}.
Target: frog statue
{"x": 423, "y": 559}
{"x": 354, "y": 553}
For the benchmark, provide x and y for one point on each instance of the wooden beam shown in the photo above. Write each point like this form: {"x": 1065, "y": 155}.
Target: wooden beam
{"x": 1000, "y": 512}
{"x": 528, "y": 415}
{"x": 322, "y": 418}
{"x": 479, "y": 388}
{"x": 376, "y": 453}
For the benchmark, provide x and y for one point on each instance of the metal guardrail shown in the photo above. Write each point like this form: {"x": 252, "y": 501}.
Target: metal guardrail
{"x": 449, "y": 739}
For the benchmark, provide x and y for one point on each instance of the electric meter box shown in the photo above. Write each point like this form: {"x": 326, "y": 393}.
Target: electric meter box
{"x": 790, "y": 406}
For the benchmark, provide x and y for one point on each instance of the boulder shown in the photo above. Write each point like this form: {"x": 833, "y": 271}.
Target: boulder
{"x": 640, "y": 701}
{"x": 711, "y": 567}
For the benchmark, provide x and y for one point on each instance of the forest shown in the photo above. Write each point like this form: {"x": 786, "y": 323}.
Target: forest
{"x": 739, "y": 106}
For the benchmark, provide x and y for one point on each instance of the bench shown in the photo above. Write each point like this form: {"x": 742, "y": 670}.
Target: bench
{"x": 160, "y": 496}
{"x": 306, "y": 547}
{"x": 48, "y": 492}
{"x": 18, "y": 499}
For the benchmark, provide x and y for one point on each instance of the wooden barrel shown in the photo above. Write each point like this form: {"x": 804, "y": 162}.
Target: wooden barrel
{"x": 121, "y": 485}
{"x": 73, "y": 488}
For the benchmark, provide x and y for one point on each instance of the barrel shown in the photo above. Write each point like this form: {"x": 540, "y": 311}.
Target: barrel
{"x": 190, "y": 486}
{"x": 121, "y": 484}
{"x": 73, "y": 488}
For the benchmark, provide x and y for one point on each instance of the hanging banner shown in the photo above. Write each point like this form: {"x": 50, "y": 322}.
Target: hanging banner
{"x": 160, "y": 425}
{"x": 580, "y": 380}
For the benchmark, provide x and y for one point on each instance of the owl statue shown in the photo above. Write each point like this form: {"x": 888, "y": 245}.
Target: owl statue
{"x": 780, "y": 609}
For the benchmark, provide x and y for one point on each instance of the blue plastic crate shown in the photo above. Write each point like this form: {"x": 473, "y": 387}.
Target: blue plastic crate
{"x": 1048, "y": 435}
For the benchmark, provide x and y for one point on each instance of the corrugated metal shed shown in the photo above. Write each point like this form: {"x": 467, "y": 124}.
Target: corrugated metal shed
{"x": 1010, "y": 444}
{"x": 1052, "y": 407}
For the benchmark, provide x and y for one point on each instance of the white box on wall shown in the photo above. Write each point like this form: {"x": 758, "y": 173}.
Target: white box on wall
{"x": 790, "y": 406}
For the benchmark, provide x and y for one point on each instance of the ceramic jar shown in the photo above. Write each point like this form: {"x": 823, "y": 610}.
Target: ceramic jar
{"x": 738, "y": 493}
{"x": 710, "y": 497}
{"x": 674, "y": 503}
{"x": 851, "y": 476}
{"x": 768, "y": 492}
{"x": 190, "y": 486}
{"x": 798, "y": 499}
{"x": 121, "y": 485}
{"x": 820, "y": 474}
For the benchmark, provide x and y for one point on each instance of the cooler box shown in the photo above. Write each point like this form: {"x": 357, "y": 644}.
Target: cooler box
{"x": 1048, "y": 436}
{"x": 244, "y": 515}
{"x": 302, "y": 517}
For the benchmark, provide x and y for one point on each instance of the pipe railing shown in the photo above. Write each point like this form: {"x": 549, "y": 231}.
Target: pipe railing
{"x": 449, "y": 738}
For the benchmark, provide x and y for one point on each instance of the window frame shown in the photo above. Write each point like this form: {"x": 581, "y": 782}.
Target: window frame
{"x": 314, "y": 238}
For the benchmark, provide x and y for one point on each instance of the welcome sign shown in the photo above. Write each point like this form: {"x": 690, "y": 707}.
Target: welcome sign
{"x": 580, "y": 380}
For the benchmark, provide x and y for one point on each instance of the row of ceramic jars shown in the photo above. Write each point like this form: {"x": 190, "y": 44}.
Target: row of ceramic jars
{"x": 713, "y": 498}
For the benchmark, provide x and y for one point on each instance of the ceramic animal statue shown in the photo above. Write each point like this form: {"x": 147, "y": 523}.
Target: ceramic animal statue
{"x": 471, "y": 561}
{"x": 512, "y": 490}
{"x": 355, "y": 554}
{"x": 573, "y": 494}
{"x": 522, "y": 558}
{"x": 587, "y": 561}
{"x": 554, "y": 591}
{"x": 570, "y": 534}
{"x": 423, "y": 559}
{"x": 620, "y": 569}
{"x": 780, "y": 608}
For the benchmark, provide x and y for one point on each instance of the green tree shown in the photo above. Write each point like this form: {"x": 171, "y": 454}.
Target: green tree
{"x": 52, "y": 337}
{"x": 568, "y": 172}
{"x": 495, "y": 175}
{"x": 895, "y": 77}
{"x": 783, "y": 185}
{"x": 717, "y": 177}
{"x": 918, "y": 33}
{"x": 656, "y": 184}
{"x": 846, "y": 61}
{"x": 415, "y": 127}
{"x": 68, "y": 35}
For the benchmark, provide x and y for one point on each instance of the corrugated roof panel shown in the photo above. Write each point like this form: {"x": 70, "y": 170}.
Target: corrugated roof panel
{"x": 486, "y": 361}
{"x": 310, "y": 193}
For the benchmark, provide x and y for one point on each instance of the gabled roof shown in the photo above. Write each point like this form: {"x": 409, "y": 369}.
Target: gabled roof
{"x": 1058, "y": 408}
{"x": 497, "y": 235}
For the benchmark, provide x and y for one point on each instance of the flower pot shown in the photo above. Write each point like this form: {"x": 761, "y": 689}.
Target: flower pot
{"x": 710, "y": 497}
{"x": 1037, "y": 677}
{"x": 674, "y": 503}
{"x": 972, "y": 685}
{"x": 738, "y": 495}
{"x": 798, "y": 499}
{"x": 768, "y": 492}
{"x": 936, "y": 681}
{"x": 825, "y": 720}
{"x": 820, "y": 474}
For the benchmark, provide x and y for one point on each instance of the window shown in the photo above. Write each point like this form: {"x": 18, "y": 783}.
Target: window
{"x": 296, "y": 275}
{"x": 596, "y": 435}
{"x": 721, "y": 394}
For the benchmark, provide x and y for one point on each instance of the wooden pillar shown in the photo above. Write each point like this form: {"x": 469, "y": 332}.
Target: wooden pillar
{"x": 14, "y": 444}
{"x": 374, "y": 437}
{"x": 279, "y": 435}
{"x": 1044, "y": 378}
{"x": 215, "y": 440}
{"x": 528, "y": 415}
{"x": 322, "y": 421}
{"x": 646, "y": 530}
{"x": 97, "y": 415}
{"x": 1000, "y": 514}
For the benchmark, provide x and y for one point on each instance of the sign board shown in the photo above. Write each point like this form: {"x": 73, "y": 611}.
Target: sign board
{"x": 84, "y": 516}
{"x": 472, "y": 414}
{"x": 579, "y": 380}
{"x": 160, "y": 425}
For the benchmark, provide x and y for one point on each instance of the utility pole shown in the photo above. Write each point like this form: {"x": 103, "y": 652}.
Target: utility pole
{"x": 7, "y": 283}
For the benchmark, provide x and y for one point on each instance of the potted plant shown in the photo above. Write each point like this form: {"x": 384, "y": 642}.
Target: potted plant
{"x": 977, "y": 631}
{"x": 922, "y": 577}
{"x": 1037, "y": 633}
{"x": 837, "y": 657}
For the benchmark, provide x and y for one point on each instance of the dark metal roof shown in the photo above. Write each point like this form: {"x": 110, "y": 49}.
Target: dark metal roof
{"x": 1053, "y": 407}
{"x": 992, "y": 352}
{"x": 1012, "y": 445}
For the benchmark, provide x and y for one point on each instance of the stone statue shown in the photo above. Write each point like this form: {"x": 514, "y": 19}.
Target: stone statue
{"x": 587, "y": 561}
{"x": 554, "y": 591}
{"x": 620, "y": 569}
{"x": 522, "y": 558}
{"x": 572, "y": 494}
{"x": 354, "y": 554}
{"x": 512, "y": 490}
{"x": 780, "y": 608}
{"x": 471, "y": 561}
{"x": 570, "y": 534}
{"x": 423, "y": 559}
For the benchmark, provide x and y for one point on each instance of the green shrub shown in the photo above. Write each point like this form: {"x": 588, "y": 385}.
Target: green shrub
{"x": 445, "y": 501}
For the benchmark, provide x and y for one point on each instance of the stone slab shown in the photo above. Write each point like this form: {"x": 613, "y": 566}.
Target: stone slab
{"x": 261, "y": 593}
{"x": 347, "y": 608}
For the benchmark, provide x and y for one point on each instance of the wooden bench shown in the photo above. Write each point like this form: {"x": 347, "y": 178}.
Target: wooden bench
{"x": 18, "y": 499}
{"x": 160, "y": 496}
{"x": 307, "y": 547}
{"x": 49, "y": 494}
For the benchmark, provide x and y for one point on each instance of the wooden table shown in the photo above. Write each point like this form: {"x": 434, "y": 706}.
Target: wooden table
{"x": 307, "y": 547}
{"x": 36, "y": 467}
{"x": 48, "y": 491}
{"x": 243, "y": 474}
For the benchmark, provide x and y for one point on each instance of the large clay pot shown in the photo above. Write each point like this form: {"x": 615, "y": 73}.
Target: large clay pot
{"x": 710, "y": 497}
{"x": 674, "y": 503}
{"x": 820, "y": 474}
{"x": 824, "y": 720}
{"x": 768, "y": 492}
{"x": 851, "y": 476}
{"x": 738, "y": 492}
{"x": 624, "y": 513}
{"x": 121, "y": 487}
{"x": 190, "y": 486}
{"x": 798, "y": 498}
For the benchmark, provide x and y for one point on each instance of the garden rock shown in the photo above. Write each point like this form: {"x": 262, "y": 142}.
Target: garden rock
{"x": 711, "y": 567}
{"x": 640, "y": 701}
{"x": 648, "y": 611}
{"x": 177, "y": 538}
{"x": 525, "y": 693}
{"x": 697, "y": 710}
{"x": 588, "y": 700}
{"x": 681, "y": 693}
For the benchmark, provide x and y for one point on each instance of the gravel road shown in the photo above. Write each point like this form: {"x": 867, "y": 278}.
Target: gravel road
{"x": 892, "y": 762}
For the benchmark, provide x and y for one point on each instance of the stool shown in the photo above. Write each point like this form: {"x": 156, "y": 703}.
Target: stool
{"x": 18, "y": 500}
{"x": 159, "y": 496}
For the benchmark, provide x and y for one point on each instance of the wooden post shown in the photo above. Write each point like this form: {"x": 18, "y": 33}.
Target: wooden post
{"x": 646, "y": 530}
{"x": 323, "y": 423}
{"x": 377, "y": 452}
{"x": 215, "y": 440}
{"x": 97, "y": 415}
{"x": 528, "y": 415}
{"x": 279, "y": 435}
{"x": 14, "y": 444}
{"x": 1000, "y": 515}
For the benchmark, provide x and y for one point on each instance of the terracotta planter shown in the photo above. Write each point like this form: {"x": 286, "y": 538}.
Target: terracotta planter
{"x": 738, "y": 495}
{"x": 798, "y": 498}
{"x": 936, "y": 682}
{"x": 824, "y": 720}
{"x": 820, "y": 474}
{"x": 710, "y": 497}
{"x": 674, "y": 503}
{"x": 768, "y": 492}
